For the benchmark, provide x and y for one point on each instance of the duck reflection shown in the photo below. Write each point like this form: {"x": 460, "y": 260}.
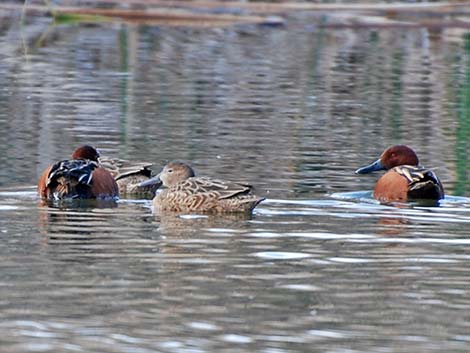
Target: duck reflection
{"x": 92, "y": 233}
{"x": 71, "y": 219}
{"x": 181, "y": 225}
{"x": 392, "y": 226}
{"x": 399, "y": 219}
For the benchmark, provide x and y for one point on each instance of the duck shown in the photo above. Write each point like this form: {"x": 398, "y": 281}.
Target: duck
{"x": 80, "y": 177}
{"x": 184, "y": 192}
{"x": 129, "y": 175}
{"x": 405, "y": 179}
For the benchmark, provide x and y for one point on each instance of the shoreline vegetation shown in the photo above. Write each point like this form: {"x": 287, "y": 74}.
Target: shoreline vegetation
{"x": 210, "y": 13}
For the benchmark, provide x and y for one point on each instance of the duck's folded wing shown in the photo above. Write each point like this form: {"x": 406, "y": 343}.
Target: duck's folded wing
{"x": 416, "y": 174}
{"x": 423, "y": 182}
{"x": 121, "y": 168}
{"x": 221, "y": 189}
{"x": 80, "y": 170}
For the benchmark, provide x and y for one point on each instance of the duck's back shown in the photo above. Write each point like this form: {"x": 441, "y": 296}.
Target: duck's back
{"x": 207, "y": 195}
{"x": 404, "y": 183}
{"x": 129, "y": 175}
{"x": 76, "y": 179}
{"x": 424, "y": 183}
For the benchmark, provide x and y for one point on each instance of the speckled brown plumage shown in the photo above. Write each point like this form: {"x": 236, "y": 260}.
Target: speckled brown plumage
{"x": 187, "y": 193}
{"x": 129, "y": 176}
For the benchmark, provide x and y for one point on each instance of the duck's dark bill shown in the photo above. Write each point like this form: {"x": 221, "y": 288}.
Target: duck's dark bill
{"x": 377, "y": 165}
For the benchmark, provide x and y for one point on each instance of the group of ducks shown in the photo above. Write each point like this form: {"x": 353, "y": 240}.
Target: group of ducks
{"x": 87, "y": 176}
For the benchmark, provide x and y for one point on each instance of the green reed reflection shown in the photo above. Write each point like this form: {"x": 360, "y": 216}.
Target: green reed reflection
{"x": 396, "y": 112}
{"x": 463, "y": 131}
{"x": 124, "y": 66}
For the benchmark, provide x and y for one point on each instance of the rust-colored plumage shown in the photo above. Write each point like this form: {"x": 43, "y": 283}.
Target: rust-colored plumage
{"x": 78, "y": 178}
{"x": 186, "y": 193}
{"x": 405, "y": 180}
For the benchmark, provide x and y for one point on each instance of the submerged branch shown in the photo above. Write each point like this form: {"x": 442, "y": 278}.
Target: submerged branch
{"x": 147, "y": 15}
{"x": 221, "y": 13}
{"x": 270, "y": 7}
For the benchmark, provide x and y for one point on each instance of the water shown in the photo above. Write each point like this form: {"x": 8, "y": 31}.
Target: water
{"x": 294, "y": 110}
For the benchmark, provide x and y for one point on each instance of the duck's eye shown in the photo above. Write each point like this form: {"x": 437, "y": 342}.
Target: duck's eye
{"x": 170, "y": 170}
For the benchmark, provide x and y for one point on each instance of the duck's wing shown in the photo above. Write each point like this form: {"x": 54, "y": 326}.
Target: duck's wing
{"x": 218, "y": 188}
{"x": 69, "y": 179}
{"x": 416, "y": 174}
{"x": 423, "y": 182}
{"x": 79, "y": 171}
{"x": 121, "y": 168}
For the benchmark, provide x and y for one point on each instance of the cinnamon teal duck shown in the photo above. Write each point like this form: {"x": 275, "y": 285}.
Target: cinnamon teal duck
{"x": 129, "y": 175}
{"x": 405, "y": 179}
{"x": 80, "y": 177}
{"x": 184, "y": 192}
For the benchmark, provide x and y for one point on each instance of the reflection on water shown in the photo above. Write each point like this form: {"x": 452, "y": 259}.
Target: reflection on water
{"x": 295, "y": 115}
{"x": 317, "y": 272}
{"x": 293, "y": 110}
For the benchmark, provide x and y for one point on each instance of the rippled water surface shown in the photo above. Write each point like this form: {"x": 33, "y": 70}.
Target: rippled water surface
{"x": 294, "y": 110}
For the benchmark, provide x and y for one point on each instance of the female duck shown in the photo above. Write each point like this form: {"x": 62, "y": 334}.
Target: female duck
{"x": 405, "y": 180}
{"x": 129, "y": 176}
{"x": 186, "y": 193}
{"x": 78, "y": 178}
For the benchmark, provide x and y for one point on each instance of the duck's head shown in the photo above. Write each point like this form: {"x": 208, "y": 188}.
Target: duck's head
{"x": 86, "y": 152}
{"x": 175, "y": 172}
{"x": 392, "y": 157}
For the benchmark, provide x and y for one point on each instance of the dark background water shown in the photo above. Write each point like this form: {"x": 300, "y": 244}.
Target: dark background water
{"x": 292, "y": 109}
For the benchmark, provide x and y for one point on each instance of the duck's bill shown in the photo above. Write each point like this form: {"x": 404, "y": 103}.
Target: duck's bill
{"x": 150, "y": 182}
{"x": 377, "y": 165}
